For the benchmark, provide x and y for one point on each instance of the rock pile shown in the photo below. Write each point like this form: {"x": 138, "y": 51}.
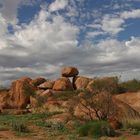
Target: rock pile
{"x": 61, "y": 84}
{"x": 51, "y": 94}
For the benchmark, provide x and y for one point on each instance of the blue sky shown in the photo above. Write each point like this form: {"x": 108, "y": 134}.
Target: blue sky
{"x": 27, "y": 12}
{"x": 39, "y": 37}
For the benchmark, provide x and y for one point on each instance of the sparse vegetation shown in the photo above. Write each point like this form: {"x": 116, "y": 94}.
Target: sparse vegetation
{"x": 133, "y": 125}
{"x": 129, "y": 86}
{"x": 53, "y": 126}
{"x": 65, "y": 95}
{"x": 29, "y": 91}
{"x": 3, "y": 88}
{"x": 83, "y": 113}
{"x": 107, "y": 84}
{"x": 3, "y": 128}
{"x": 7, "y": 120}
{"x": 96, "y": 129}
{"x": 19, "y": 127}
{"x": 99, "y": 104}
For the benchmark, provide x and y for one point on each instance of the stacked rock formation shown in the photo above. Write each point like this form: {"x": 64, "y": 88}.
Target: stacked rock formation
{"x": 22, "y": 91}
{"x": 47, "y": 94}
{"x": 64, "y": 82}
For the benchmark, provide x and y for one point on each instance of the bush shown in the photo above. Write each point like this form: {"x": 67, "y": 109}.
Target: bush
{"x": 96, "y": 129}
{"x": 132, "y": 124}
{"x": 53, "y": 126}
{"x": 107, "y": 84}
{"x": 19, "y": 127}
{"x": 59, "y": 126}
{"x": 65, "y": 95}
{"x": 43, "y": 124}
{"x": 130, "y": 86}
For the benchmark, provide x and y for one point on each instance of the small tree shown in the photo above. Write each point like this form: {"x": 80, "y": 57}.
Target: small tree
{"x": 99, "y": 104}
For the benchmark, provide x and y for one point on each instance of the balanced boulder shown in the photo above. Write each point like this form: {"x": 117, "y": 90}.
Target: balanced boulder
{"x": 20, "y": 93}
{"x": 62, "y": 84}
{"x": 69, "y": 72}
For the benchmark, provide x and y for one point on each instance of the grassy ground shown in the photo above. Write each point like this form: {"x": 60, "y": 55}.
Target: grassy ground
{"x": 35, "y": 127}
{"x": 32, "y": 126}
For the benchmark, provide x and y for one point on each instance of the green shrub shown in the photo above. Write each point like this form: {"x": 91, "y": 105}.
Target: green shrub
{"x": 19, "y": 127}
{"x": 65, "y": 95}
{"x": 3, "y": 128}
{"x": 134, "y": 131}
{"x": 130, "y": 86}
{"x": 59, "y": 126}
{"x": 107, "y": 84}
{"x": 43, "y": 124}
{"x": 53, "y": 126}
{"x": 132, "y": 124}
{"x": 96, "y": 129}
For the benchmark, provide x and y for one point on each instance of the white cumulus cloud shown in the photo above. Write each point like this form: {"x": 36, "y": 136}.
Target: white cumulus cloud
{"x": 58, "y": 5}
{"x": 49, "y": 42}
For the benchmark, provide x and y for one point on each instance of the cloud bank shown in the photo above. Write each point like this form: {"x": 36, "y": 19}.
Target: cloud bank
{"x": 49, "y": 42}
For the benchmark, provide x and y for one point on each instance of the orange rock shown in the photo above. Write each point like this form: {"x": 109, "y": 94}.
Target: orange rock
{"x": 20, "y": 93}
{"x": 60, "y": 118}
{"x": 83, "y": 112}
{"x": 81, "y": 94}
{"x": 90, "y": 87}
{"x": 114, "y": 123}
{"x": 70, "y": 125}
{"x": 4, "y": 99}
{"x": 69, "y": 72}
{"x": 46, "y": 93}
{"x": 132, "y": 99}
{"x": 21, "y": 112}
{"x": 124, "y": 111}
{"x": 34, "y": 102}
{"x": 26, "y": 79}
{"x": 39, "y": 91}
{"x": 62, "y": 84}
{"x": 47, "y": 85}
{"x": 80, "y": 82}
{"x": 36, "y": 82}
{"x": 40, "y": 99}
{"x": 53, "y": 105}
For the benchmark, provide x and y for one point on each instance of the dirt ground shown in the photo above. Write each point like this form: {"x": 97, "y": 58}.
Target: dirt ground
{"x": 7, "y": 135}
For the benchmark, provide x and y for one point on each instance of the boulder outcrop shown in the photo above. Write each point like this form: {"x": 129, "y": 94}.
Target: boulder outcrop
{"x": 60, "y": 118}
{"x": 132, "y": 99}
{"x": 80, "y": 82}
{"x": 124, "y": 111}
{"x": 20, "y": 93}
